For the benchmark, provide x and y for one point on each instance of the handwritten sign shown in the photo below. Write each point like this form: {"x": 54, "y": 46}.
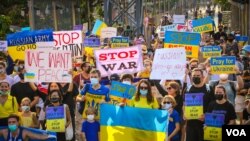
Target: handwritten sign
{"x": 117, "y": 42}
{"x": 48, "y": 66}
{"x": 190, "y": 41}
{"x": 163, "y": 29}
{"x": 213, "y": 123}
{"x": 21, "y": 41}
{"x": 179, "y": 19}
{"x": 169, "y": 64}
{"x": 55, "y": 112}
{"x": 69, "y": 41}
{"x": 224, "y": 64}
{"x": 211, "y": 51}
{"x": 203, "y": 25}
{"x": 193, "y": 105}
{"x": 120, "y": 91}
{"x": 108, "y": 32}
{"x": 45, "y": 45}
{"x": 119, "y": 60}
{"x": 182, "y": 28}
{"x": 3, "y": 45}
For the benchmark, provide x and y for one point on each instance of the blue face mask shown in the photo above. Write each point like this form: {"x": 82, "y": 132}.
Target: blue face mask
{"x": 143, "y": 92}
{"x": 12, "y": 128}
{"x": 94, "y": 81}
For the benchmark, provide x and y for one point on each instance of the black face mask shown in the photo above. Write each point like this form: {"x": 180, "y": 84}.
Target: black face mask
{"x": 220, "y": 29}
{"x": 196, "y": 80}
{"x": 21, "y": 76}
{"x": 230, "y": 40}
{"x": 218, "y": 96}
{"x": 54, "y": 100}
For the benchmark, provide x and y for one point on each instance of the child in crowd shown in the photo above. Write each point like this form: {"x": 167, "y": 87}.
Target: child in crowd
{"x": 90, "y": 127}
{"x": 28, "y": 118}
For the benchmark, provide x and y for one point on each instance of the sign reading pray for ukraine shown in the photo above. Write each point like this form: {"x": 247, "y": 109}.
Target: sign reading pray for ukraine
{"x": 225, "y": 64}
{"x": 211, "y": 51}
{"x": 193, "y": 105}
{"x": 190, "y": 41}
{"x": 117, "y": 42}
{"x": 21, "y": 41}
{"x": 132, "y": 124}
{"x": 203, "y": 25}
{"x": 120, "y": 92}
{"x": 55, "y": 119}
{"x": 212, "y": 130}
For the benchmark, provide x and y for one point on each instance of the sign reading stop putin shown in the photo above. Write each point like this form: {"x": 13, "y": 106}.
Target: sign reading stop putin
{"x": 120, "y": 60}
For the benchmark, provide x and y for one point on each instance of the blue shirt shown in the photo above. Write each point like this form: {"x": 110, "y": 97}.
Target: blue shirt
{"x": 91, "y": 130}
{"x": 101, "y": 91}
{"x": 173, "y": 119}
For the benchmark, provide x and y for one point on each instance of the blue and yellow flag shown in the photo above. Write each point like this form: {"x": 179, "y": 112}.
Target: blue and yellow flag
{"x": 132, "y": 124}
{"x": 99, "y": 25}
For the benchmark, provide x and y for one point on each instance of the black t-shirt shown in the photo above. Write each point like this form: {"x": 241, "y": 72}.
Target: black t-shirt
{"x": 246, "y": 115}
{"x": 226, "y": 108}
{"x": 68, "y": 97}
{"x": 21, "y": 90}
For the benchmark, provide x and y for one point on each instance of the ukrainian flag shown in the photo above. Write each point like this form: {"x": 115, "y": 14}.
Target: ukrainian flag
{"x": 99, "y": 25}
{"x": 132, "y": 124}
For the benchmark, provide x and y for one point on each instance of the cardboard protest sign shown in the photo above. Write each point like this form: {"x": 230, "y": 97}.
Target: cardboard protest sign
{"x": 119, "y": 60}
{"x": 203, "y": 25}
{"x": 163, "y": 29}
{"x": 178, "y": 19}
{"x": 224, "y": 64}
{"x": 117, "y": 42}
{"x": 108, "y": 32}
{"x": 69, "y": 41}
{"x": 120, "y": 92}
{"x": 193, "y": 105}
{"x": 242, "y": 40}
{"x": 211, "y": 51}
{"x": 48, "y": 66}
{"x": 21, "y": 41}
{"x": 169, "y": 64}
{"x": 190, "y": 41}
{"x": 45, "y": 45}
{"x": 55, "y": 119}
{"x": 213, "y": 130}
{"x": 3, "y": 45}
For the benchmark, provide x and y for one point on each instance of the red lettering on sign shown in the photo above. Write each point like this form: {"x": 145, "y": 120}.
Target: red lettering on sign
{"x": 35, "y": 59}
{"x": 117, "y": 55}
{"x": 65, "y": 38}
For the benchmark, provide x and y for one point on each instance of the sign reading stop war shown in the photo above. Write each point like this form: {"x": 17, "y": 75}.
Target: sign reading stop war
{"x": 120, "y": 60}
{"x": 69, "y": 41}
{"x": 193, "y": 105}
{"x": 213, "y": 122}
{"x": 48, "y": 66}
{"x": 55, "y": 118}
{"x": 169, "y": 64}
{"x": 21, "y": 41}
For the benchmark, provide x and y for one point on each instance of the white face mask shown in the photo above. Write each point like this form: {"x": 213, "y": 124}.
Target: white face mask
{"x": 126, "y": 82}
{"x": 90, "y": 117}
{"x": 223, "y": 76}
{"x": 25, "y": 108}
{"x": 2, "y": 70}
{"x": 167, "y": 106}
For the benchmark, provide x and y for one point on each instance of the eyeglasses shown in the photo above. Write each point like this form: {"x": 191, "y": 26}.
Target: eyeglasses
{"x": 144, "y": 88}
{"x": 169, "y": 88}
{"x": 167, "y": 102}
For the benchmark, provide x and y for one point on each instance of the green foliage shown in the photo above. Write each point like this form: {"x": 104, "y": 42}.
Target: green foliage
{"x": 5, "y": 22}
{"x": 225, "y": 5}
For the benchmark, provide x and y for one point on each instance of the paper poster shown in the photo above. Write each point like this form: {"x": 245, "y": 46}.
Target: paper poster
{"x": 169, "y": 64}
{"x": 178, "y": 19}
{"x": 190, "y": 25}
{"x": 225, "y": 64}
{"x": 211, "y": 51}
{"x": 21, "y": 41}
{"x": 69, "y": 41}
{"x": 92, "y": 42}
{"x": 117, "y": 42}
{"x": 3, "y": 45}
{"x": 193, "y": 105}
{"x": 56, "y": 112}
{"x": 216, "y": 120}
{"x": 182, "y": 28}
{"x": 55, "y": 125}
{"x": 48, "y": 66}
{"x": 213, "y": 133}
{"x": 242, "y": 40}
{"x": 119, "y": 60}
{"x": 108, "y": 32}
{"x": 55, "y": 119}
{"x": 203, "y": 25}
{"x": 45, "y": 45}
{"x": 163, "y": 29}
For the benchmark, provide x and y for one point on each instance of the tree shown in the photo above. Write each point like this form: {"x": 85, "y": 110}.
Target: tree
{"x": 225, "y": 5}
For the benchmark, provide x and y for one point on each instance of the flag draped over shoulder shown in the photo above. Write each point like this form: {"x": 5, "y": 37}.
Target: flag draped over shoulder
{"x": 99, "y": 25}
{"x": 132, "y": 124}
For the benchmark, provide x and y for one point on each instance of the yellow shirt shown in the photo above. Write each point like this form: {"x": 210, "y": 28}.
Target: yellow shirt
{"x": 9, "y": 107}
{"x": 142, "y": 103}
{"x": 144, "y": 74}
{"x": 27, "y": 121}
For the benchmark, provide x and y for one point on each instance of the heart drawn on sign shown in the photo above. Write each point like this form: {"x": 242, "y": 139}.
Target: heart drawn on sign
{"x": 193, "y": 96}
{"x": 214, "y": 117}
{"x": 55, "y": 109}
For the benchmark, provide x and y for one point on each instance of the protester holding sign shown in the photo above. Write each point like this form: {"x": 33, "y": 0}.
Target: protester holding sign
{"x": 222, "y": 106}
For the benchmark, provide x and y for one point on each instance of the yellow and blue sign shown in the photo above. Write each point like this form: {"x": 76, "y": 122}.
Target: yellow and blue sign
{"x": 242, "y": 40}
{"x": 193, "y": 105}
{"x": 20, "y": 41}
{"x": 203, "y": 25}
{"x": 131, "y": 124}
{"x": 212, "y": 130}
{"x": 99, "y": 25}
{"x": 120, "y": 92}
{"x": 225, "y": 64}
{"x": 211, "y": 51}
{"x": 117, "y": 42}
{"x": 55, "y": 119}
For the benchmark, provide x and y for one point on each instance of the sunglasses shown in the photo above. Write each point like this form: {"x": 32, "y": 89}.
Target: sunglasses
{"x": 144, "y": 88}
{"x": 169, "y": 88}
{"x": 167, "y": 102}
